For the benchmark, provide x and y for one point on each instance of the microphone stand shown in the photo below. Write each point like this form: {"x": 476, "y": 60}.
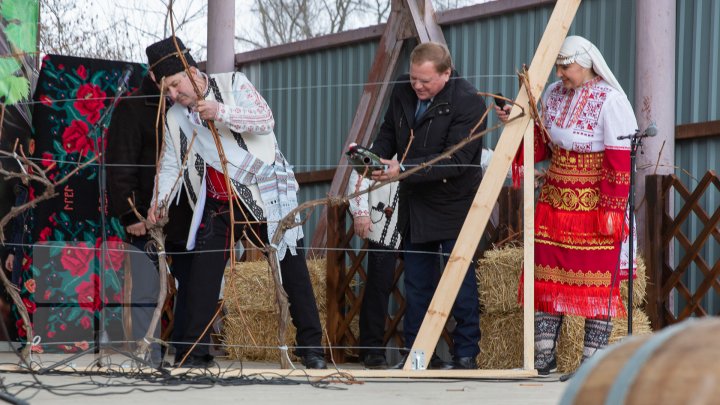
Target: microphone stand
{"x": 635, "y": 144}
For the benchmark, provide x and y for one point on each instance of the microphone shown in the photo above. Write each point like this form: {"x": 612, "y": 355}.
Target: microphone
{"x": 123, "y": 83}
{"x": 649, "y": 132}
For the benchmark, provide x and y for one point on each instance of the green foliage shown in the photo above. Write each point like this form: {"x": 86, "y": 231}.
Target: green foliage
{"x": 13, "y": 89}
{"x": 8, "y": 66}
{"x": 22, "y": 20}
{"x": 20, "y": 29}
{"x": 22, "y": 36}
{"x": 24, "y": 11}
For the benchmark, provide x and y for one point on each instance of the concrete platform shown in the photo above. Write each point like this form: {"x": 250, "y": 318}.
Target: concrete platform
{"x": 118, "y": 381}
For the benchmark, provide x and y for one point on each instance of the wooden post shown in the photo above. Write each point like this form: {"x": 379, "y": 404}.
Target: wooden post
{"x": 510, "y": 212}
{"x": 407, "y": 18}
{"x": 335, "y": 271}
{"x": 480, "y": 211}
{"x": 529, "y": 251}
{"x": 369, "y": 108}
{"x": 656, "y": 254}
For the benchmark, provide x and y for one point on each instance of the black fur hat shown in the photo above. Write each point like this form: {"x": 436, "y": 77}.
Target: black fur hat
{"x": 163, "y": 59}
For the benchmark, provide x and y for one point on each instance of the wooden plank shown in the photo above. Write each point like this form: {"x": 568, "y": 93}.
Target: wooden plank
{"x": 335, "y": 267}
{"x": 697, "y": 130}
{"x": 368, "y": 111}
{"x": 418, "y": 21}
{"x": 332, "y": 372}
{"x": 225, "y": 372}
{"x": 474, "y": 227}
{"x": 430, "y": 22}
{"x": 367, "y": 117}
{"x": 529, "y": 251}
{"x": 656, "y": 254}
{"x": 315, "y": 176}
{"x": 425, "y": 21}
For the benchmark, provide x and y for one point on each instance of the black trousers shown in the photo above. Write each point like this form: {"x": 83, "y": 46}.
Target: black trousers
{"x": 203, "y": 283}
{"x": 145, "y": 287}
{"x": 180, "y": 267}
{"x": 380, "y": 275}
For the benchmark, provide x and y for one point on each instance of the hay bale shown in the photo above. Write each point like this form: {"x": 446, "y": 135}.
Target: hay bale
{"x": 570, "y": 343}
{"x": 498, "y": 275}
{"x": 251, "y": 322}
{"x": 641, "y": 326}
{"x": 572, "y": 334}
{"x": 501, "y": 342}
{"x": 639, "y": 286}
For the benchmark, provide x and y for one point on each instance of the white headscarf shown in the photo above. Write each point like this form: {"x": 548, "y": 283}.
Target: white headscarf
{"x": 581, "y": 51}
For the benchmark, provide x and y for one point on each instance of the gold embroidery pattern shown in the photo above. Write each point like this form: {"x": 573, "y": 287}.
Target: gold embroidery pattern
{"x": 613, "y": 203}
{"x": 577, "y": 161}
{"x": 616, "y": 177}
{"x": 570, "y": 199}
{"x": 572, "y": 177}
{"x": 573, "y": 247}
{"x": 568, "y": 276}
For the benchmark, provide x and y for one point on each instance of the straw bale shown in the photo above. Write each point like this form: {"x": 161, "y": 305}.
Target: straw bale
{"x": 250, "y": 330}
{"x": 570, "y": 343}
{"x": 501, "y": 342}
{"x": 639, "y": 286}
{"x": 498, "y": 274}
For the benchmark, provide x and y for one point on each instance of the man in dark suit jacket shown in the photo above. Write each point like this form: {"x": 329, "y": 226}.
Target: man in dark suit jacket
{"x": 439, "y": 109}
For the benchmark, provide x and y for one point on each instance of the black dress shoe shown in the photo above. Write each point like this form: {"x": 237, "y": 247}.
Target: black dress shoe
{"x": 436, "y": 363}
{"x": 195, "y": 361}
{"x": 464, "y": 363}
{"x": 314, "y": 361}
{"x": 375, "y": 361}
{"x": 401, "y": 364}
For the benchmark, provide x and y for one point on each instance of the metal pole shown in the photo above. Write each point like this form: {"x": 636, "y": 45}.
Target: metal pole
{"x": 654, "y": 94}
{"x": 221, "y": 36}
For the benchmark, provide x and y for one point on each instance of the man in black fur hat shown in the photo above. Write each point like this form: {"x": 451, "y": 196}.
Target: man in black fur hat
{"x": 260, "y": 176}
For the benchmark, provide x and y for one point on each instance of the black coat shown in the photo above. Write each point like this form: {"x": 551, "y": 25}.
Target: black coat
{"x": 131, "y": 154}
{"x": 435, "y": 201}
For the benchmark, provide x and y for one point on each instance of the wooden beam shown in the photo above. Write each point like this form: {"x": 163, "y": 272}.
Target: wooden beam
{"x": 315, "y": 176}
{"x": 419, "y": 16}
{"x": 698, "y": 130}
{"x": 225, "y": 372}
{"x": 487, "y": 194}
{"x": 529, "y": 251}
{"x": 368, "y": 110}
{"x": 425, "y": 21}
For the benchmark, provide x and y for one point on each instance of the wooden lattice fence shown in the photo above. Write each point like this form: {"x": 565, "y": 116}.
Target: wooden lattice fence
{"x": 671, "y": 298}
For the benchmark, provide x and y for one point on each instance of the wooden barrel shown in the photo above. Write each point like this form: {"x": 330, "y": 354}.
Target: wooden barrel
{"x": 678, "y": 365}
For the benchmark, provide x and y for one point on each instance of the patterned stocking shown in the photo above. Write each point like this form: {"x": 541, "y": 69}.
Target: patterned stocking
{"x": 547, "y": 328}
{"x": 597, "y": 335}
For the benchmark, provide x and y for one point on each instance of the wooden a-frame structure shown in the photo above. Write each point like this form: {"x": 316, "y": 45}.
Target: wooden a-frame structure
{"x": 417, "y": 17}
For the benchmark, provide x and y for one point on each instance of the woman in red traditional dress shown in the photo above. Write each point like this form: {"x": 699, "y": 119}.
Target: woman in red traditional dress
{"x": 581, "y": 230}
